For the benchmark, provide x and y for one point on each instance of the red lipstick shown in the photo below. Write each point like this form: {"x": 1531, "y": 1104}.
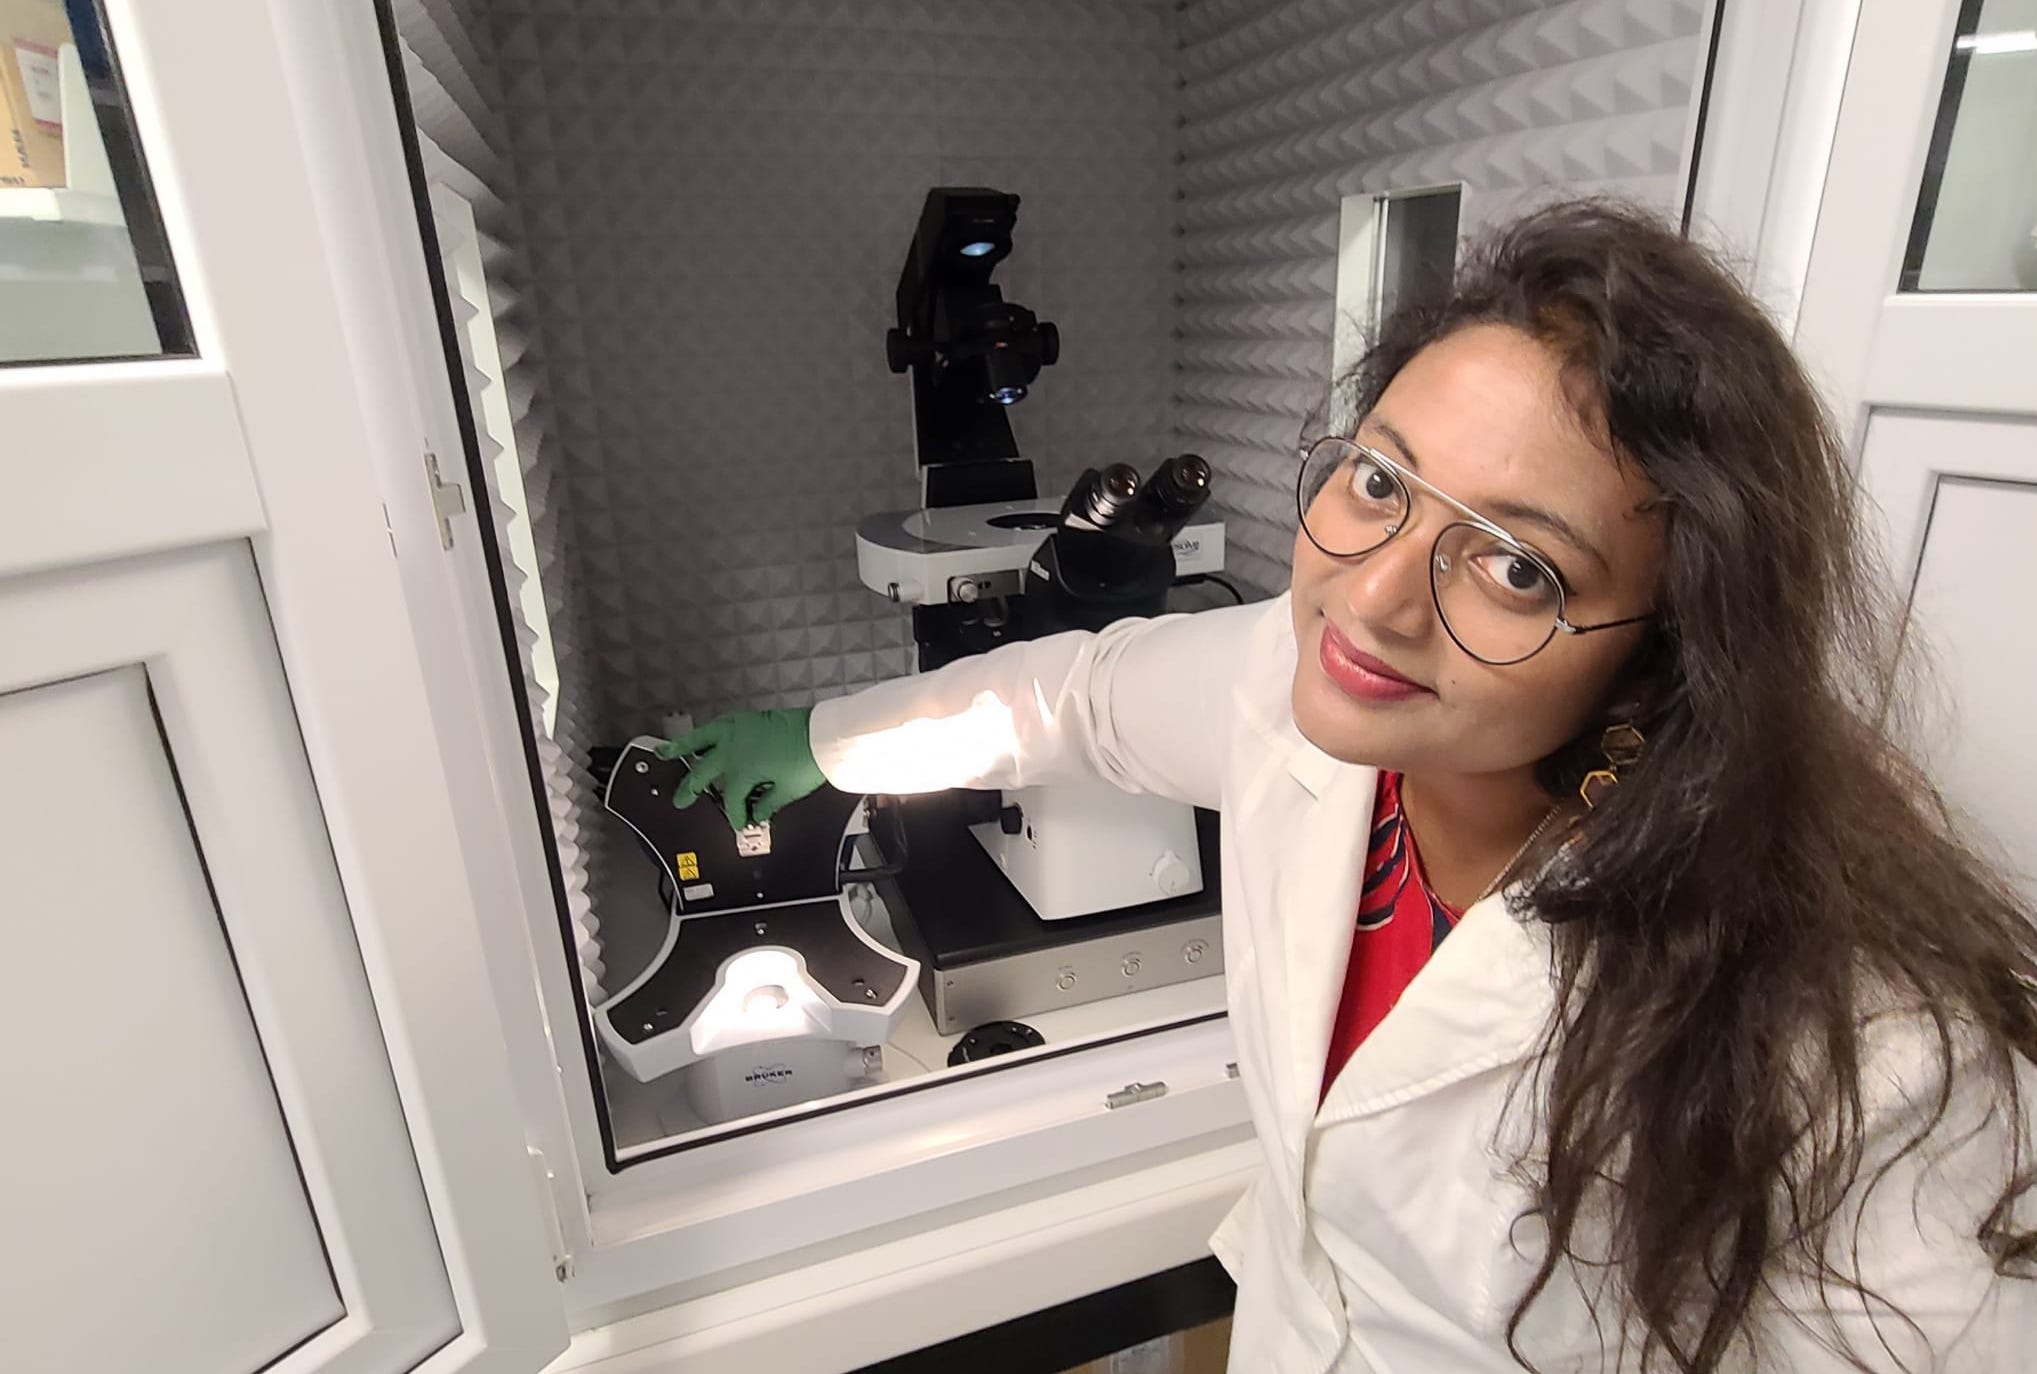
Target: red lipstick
{"x": 1358, "y": 674}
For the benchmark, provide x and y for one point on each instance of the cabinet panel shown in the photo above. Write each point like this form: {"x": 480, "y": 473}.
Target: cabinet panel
{"x": 346, "y": 951}
{"x": 88, "y": 473}
{"x": 1955, "y": 498}
{"x": 1972, "y": 607}
{"x": 163, "y": 1175}
{"x": 221, "y": 1167}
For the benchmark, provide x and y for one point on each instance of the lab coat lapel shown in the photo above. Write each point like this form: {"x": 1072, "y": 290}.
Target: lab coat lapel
{"x": 1482, "y": 1000}
{"x": 1317, "y": 904}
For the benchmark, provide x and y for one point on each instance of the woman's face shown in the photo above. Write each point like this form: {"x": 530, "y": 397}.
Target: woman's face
{"x": 1482, "y": 415}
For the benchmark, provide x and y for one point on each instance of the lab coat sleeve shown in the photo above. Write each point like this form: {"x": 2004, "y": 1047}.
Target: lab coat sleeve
{"x": 1145, "y": 704}
{"x": 1937, "y": 1303}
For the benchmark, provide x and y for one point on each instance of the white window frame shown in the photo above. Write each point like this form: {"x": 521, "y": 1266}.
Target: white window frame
{"x": 253, "y": 192}
{"x": 1768, "y": 125}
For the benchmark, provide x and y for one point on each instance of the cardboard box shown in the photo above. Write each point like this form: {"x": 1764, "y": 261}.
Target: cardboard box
{"x": 31, "y": 106}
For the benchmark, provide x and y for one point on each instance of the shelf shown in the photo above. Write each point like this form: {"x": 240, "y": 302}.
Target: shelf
{"x": 60, "y": 205}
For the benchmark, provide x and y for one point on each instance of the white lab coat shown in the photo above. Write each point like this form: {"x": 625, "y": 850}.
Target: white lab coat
{"x": 1381, "y": 1236}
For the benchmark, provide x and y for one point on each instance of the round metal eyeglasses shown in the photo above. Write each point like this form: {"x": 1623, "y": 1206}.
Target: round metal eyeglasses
{"x": 1498, "y": 599}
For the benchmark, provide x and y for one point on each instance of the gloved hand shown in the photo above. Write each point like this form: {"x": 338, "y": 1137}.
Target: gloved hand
{"x": 760, "y": 761}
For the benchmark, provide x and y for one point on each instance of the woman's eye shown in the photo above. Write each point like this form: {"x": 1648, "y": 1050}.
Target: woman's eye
{"x": 1516, "y": 575}
{"x": 1372, "y": 481}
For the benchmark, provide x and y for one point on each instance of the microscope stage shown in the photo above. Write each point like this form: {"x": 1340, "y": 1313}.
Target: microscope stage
{"x": 960, "y": 553}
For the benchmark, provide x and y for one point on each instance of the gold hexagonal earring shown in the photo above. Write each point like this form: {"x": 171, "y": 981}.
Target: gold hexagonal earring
{"x": 1621, "y": 744}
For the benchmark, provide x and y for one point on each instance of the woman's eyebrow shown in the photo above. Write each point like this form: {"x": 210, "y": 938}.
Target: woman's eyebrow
{"x": 1517, "y": 512}
{"x": 1524, "y": 512}
{"x": 1398, "y": 440}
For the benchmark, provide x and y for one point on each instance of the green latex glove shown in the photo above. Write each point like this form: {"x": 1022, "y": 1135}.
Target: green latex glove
{"x": 760, "y": 761}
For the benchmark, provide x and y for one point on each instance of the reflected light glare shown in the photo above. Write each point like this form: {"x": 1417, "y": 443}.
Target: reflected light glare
{"x": 929, "y": 754}
{"x": 978, "y": 249}
{"x": 766, "y": 999}
{"x": 1988, "y": 44}
{"x": 762, "y": 995}
{"x": 1042, "y": 707}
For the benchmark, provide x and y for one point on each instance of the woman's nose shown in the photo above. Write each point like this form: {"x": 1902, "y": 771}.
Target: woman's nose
{"x": 1388, "y": 589}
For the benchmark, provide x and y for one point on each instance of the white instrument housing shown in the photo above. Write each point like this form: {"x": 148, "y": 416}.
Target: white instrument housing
{"x": 1086, "y": 848}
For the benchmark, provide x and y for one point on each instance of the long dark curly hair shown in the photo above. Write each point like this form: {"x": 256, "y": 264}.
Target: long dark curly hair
{"x": 1775, "y": 866}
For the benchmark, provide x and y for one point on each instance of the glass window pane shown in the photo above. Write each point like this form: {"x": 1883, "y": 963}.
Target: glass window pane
{"x": 85, "y": 271}
{"x": 1976, "y": 224}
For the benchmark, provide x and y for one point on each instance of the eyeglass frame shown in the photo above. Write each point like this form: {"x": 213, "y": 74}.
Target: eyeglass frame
{"x": 1405, "y": 480}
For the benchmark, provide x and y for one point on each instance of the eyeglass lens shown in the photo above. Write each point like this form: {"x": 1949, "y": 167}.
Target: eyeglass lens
{"x": 1496, "y": 599}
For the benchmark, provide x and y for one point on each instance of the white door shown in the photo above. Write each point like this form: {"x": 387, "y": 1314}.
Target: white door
{"x": 257, "y": 1110}
{"x": 1919, "y": 316}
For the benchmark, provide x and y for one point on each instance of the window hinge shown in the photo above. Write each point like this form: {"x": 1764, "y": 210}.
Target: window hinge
{"x": 1132, "y": 1093}
{"x": 448, "y": 499}
{"x": 562, "y": 1258}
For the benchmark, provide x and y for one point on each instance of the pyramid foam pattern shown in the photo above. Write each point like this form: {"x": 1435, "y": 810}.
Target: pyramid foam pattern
{"x": 695, "y": 211}
{"x": 456, "y": 103}
{"x": 1287, "y": 107}
{"x": 717, "y": 198}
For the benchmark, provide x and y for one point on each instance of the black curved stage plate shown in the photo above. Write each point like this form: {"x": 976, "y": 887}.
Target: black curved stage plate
{"x": 806, "y": 838}
{"x": 850, "y": 970}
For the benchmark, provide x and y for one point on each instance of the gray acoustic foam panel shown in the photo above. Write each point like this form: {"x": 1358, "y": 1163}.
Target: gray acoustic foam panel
{"x": 717, "y": 198}
{"x": 456, "y": 102}
{"x": 1289, "y": 106}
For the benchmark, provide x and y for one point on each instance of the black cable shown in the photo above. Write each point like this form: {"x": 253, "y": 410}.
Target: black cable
{"x": 897, "y": 866}
{"x": 1197, "y": 579}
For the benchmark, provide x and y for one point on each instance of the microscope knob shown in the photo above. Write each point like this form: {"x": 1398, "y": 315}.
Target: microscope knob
{"x": 1171, "y": 875}
{"x": 901, "y": 351}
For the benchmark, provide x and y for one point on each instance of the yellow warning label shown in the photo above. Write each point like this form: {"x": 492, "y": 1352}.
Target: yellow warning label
{"x": 689, "y": 866}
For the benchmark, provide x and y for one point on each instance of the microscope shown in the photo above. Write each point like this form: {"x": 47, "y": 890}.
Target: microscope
{"x": 1035, "y": 898}
{"x": 768, "y": 991}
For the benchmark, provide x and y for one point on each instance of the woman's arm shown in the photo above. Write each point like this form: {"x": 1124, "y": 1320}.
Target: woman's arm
{"x": 1145, "y": 704}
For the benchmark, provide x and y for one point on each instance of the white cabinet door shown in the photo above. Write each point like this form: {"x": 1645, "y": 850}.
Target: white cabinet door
{"x": 258, "y": 1112}
{"x": 1960, "y": 500}
{"x": 196, "y": 1086}
{"x": 1919, "y": 316}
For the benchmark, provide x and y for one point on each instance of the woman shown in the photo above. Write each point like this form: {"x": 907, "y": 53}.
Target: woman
{"x": 1721, "y": 1064}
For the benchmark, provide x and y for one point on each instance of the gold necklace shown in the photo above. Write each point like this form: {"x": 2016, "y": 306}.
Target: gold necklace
{"x": 1505, "y": 868}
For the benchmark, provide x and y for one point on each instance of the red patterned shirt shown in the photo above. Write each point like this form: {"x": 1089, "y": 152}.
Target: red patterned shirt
{"x": 1400, "y": 924}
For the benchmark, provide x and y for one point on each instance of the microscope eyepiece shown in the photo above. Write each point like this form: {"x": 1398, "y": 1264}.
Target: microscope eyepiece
{"x": 1102, "y": 498}
{"x": 1180, "y": 484}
